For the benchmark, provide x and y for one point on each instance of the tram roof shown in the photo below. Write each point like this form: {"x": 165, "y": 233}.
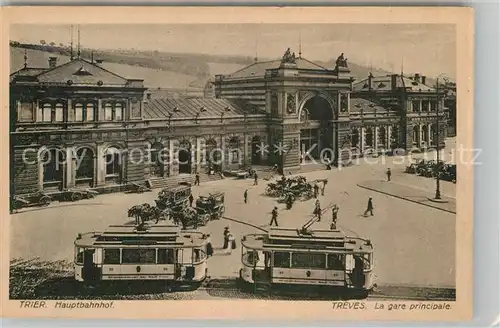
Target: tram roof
{"x": 293, "y": 239}
{"x": 128, "y": 235}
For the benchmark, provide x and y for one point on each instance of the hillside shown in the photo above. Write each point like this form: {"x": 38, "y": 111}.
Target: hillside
{"x": 158, "y": 69}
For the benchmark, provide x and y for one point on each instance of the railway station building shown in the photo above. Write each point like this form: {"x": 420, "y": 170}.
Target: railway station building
{"x": 78, "y": 125}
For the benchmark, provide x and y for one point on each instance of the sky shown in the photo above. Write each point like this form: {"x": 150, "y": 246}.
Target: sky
{"x": 429, "y": 49}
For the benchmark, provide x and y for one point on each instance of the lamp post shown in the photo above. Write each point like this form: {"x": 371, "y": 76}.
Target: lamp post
{"x": 438, "y": 189}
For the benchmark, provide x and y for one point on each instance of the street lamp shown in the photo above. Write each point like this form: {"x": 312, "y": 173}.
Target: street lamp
{"x": 437, "y": 196}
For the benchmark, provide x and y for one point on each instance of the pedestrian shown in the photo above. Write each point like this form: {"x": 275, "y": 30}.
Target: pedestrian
{"x": 197, "y": 179}
{"x": 226, "y": 239}
{"x": 191, "y": 200}
{"x": 210, "y": 248}
{"x": 316, "y": 189}
{"x": 255, "y": 179}
{"x": 335, "y": 211}
{"x": 324, "y": 186}
{"x": 369, "y": 207}
{"x": 230, "y": 242}
{"x": 317, "y": 210}
{"x": 245, "y": 196}
{"x": 274, "y": 216}
{"x": 388, "y": 174}
{"x": 289, "y": 201}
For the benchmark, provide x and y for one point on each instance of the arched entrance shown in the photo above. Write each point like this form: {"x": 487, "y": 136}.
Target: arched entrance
{"x": 54, "y": 169}
{"x": 394, "y": 139}
{"x": 416, "y": 136}
{"x": 85, "y": 168}
{"x": 256, "y": 151}
{"x": 317, "y": 134}
{"x": 355, "y": 137}
{"x": 157, "y": 160}
{"x": 213, "y": 154}
{"x": 382, "y": 137}
{"x": 185, "y": 159}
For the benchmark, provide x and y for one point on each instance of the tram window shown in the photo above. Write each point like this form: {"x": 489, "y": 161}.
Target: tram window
{"x": 281, "y": 260}
{"x": 199, "y": 255}
{"x": 367, "y": 260}
{"x": 308, "y": 260}
{"x": 166, "y": 256}
{"x": 130, "y": 255}
{"x": 111, "y": 256}
{"x": 336, "y": 261}
{"x": 79, "y": 255}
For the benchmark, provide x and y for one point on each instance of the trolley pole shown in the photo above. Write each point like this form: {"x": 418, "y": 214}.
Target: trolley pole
{"x": 438, "y": 166}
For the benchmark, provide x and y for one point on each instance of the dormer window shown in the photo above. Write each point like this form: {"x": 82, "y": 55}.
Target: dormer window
{"x": 176, "y": 109}
{"x": 82, "y": 71}
{"x": 227, "y": 109}
{"x": 365, "y": 85}
{"x": 381, "y": 85}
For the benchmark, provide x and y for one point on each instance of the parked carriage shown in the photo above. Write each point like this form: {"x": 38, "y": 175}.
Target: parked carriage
{"x": 133, "y": 187}
{"x": 74, "y": 195}
{"x": 30, "y": 200}
{"x": 176, "y": 198}
{"x": 211, "y": 207}
{"x": 297, "y": 186}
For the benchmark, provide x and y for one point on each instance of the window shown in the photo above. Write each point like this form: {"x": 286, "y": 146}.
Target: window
{"x": 112, "y": 256}
{"x": 166, "y": 256}
{"x": 59, "y": 115}
{"x": 90, "y": 112}
{"x": 425, "y": 106}
{"x": 108, "y": 112}
{"x": 79, "y": 112}
{"x": 433, "y": 105}
{"x": 281, "y": 260}
{"x": 308, "y": 260}
{"x": 234, "y": 156}
{"x": 47, "y": 113}
{"x": 118, "y": 112}
{"x": 79, "y": 255}
{"x": 336, "y": 261}
{"x": 416, "y": 105}
{"x": 137, "y": 256}
{"x": 113, "y": 160}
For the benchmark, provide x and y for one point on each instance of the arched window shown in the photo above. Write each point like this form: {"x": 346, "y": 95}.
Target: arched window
{"x": 79, "y": 112}
{"x": 234, "y": 145}
{"x": 47, "y": 113}
{"x": 118, "y": 112}
{"x": 59, "y": 112}
{"x": 108, "y": 112}
{"x": 90, "y": 112}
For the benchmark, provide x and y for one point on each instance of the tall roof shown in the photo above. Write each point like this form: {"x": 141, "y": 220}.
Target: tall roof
{"x": 161, "y": 108}
{"x": 259, "y": 68}
{"x": 78, "y": 71}
{"x": 384, "y": 83}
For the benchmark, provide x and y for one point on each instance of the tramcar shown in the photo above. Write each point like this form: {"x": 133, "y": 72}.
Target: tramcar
{"x": 157, "y": 252}
{"x": 307, "y": 258}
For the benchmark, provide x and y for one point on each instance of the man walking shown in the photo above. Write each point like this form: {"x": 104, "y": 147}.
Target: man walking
{"x": 191, "y": 200}
{"x": 324, "y": 187}
{"x": 274, "y": 216}
{"x": 197, "y": 179}
{"x": 317, "y": 210}
{"x": 388, "y": 174}
{"x": 255, "y": 179}
{"x": 369, "y": 208}
{"x": 245, "y": 196}
{"x": 335, "y": 211}
{"x": 316, "y": 189}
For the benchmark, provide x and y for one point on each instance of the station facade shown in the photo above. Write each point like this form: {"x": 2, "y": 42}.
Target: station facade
{"x": 78, "y": 125}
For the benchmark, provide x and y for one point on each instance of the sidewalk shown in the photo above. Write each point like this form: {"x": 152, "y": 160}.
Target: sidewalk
{"x": 410, "y": 194}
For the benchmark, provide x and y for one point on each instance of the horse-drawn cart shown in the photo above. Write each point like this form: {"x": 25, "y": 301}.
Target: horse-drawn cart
{"x": 211, "y": 207}
{"x": 29, "y": 200}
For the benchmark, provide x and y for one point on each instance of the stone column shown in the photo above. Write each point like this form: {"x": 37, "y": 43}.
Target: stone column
{"x": 388, "y": 136}
{"x": 362, "y": 140}
{"x": 100, "y": 112}
{"x": 375, "y": 134}
{"x": 429, "y": 133}
{"x": 101, "y": 165}
{"x": 96, "y": 171}
{"x": 245, "y": 150}
{"x": 70, "y": 168}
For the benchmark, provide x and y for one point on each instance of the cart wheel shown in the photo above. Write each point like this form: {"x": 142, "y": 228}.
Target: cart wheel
{"x": 76, "y": 196}
{"x": 45, "y": 200}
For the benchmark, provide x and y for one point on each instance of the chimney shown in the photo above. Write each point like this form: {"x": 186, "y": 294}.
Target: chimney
{"x": 98, "y": 61}
{"x": 417, "y": 77}
{"x": 422, "y": 79}
{"x": 370, "y": 76}
{"x": 52, "y": 62}
{"x": 394, "y": 81}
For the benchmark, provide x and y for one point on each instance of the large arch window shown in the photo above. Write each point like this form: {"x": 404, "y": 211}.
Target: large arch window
{"x": 108, "y": 112}
{"x": 85, "y": 167}
{"x": 78, "y": 112}
{"x": 47, "y": 113}
{"x": 90, "y": 109}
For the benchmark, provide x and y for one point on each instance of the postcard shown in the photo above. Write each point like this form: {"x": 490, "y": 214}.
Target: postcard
{"x": 238, "y": 163}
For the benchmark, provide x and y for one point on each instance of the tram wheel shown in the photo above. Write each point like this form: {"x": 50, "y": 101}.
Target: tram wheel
{"x": 45, "y": 201}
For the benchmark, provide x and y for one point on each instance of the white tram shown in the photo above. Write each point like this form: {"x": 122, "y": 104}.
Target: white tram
{"x": 125, "y": 252}
{"x": 307, "y": 258}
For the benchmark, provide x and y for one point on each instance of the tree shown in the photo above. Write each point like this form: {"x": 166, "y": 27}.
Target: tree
{"x": 61, "y": 45}
{"x": 52, "y": 44}
{"x": 42, "y": 42}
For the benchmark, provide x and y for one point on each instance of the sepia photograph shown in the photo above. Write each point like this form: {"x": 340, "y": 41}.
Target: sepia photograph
{"x": 239, "y": 161}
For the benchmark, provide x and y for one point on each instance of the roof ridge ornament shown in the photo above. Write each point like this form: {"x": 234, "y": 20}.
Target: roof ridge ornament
{"x": 341, "y": 61}
{"x": 288, "y": 57}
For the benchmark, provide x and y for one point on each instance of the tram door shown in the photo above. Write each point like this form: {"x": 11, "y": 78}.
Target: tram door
{"x": 91, "y": 271}
{"x": 262, "y": 268}
{"x": 354, "y": 270}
